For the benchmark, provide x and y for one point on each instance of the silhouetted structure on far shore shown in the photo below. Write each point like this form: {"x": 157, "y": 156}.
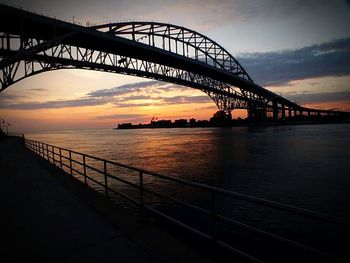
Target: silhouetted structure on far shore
{"x": 221, "y": 119}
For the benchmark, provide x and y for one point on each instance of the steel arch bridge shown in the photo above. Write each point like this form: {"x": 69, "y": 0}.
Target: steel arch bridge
{"x": 32, "y": 44}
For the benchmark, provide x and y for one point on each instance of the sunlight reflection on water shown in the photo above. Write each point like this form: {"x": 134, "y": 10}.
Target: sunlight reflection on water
{"x": 304, "y": 165}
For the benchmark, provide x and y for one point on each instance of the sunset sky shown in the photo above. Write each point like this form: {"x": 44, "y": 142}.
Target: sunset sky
{"x": 298, "y": 49}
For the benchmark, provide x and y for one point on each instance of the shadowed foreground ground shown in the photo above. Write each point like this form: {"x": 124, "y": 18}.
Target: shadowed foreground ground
{"x": 49, "y": 217}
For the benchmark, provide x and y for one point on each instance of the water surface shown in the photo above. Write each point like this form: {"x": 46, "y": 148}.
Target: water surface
{"x": 303, "y": 165}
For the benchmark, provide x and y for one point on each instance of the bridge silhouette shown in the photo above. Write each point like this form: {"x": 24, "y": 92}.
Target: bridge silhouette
{"x": 32, "y": 44}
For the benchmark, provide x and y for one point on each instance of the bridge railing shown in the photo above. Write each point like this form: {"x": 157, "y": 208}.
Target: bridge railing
{"x": 75, "y": 164}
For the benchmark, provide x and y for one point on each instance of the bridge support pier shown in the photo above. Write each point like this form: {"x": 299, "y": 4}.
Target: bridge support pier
{"x": 275, "y": 110}
{"x": 256, "y": 114}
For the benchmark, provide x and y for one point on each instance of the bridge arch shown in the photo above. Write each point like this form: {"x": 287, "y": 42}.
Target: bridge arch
{"x": 146, "y": 49}
{"x": 53, "y": 54}
{"x": 179, "y": 40}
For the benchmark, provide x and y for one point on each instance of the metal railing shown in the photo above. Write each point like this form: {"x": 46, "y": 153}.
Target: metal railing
{"x": 64, "y": 159}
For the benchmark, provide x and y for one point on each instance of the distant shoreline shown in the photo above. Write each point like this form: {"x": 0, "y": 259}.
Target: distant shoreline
{"x": 129, "y": 126}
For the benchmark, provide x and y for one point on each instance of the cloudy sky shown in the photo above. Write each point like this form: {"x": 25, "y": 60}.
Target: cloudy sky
{"x": 299, "y": 49}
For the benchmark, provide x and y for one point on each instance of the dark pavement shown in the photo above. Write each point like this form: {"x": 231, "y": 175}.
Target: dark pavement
{"x": 49, "y": 217}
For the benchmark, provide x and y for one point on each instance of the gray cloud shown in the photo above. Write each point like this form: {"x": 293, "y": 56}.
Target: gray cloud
{"x": 121, "y": 116}
{"x": 133, "y": 105}
{"x": 203, "y": 13}
{"x": 38, "y": 89}
{"x": 271, "y": 68}
{"x": 124, "y": 89}
{"x": 279, "y": 68}
{"x": 118, "y": 96}
{"x": 53, "y": 104}
{"x": 136, "y": 97}
{"x": 320, "y": 97}
{"x": 161, "y": 101}
{"x": 186, "y": 99}
{"x": 6, "y": 98}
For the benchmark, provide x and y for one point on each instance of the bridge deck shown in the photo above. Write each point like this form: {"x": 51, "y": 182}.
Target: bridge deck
{"x": 20, "y": 25}
{"x": 47, "y": 217}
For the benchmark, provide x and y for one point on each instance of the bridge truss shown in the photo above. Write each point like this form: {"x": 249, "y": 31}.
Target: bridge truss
{"x": 35, "y": 56}
{"x": 34, "y": 44}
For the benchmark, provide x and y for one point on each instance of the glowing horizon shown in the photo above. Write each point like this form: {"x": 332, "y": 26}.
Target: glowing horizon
{"x": 306, "y": 63}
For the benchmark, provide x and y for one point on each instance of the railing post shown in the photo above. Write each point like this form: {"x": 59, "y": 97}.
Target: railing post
{"x": 141, "y": 195}
{"x": 53, "y": 155}
{"x": 105, "y": 175}
{"x": 47, "y": 152}
{"x": 213, "y": 217}
{"x": 70, "y": 163}
{"x": 60, "y": 158}
{"x": 84, "y": 167}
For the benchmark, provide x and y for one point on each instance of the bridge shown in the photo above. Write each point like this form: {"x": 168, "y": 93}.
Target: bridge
{"x": 32, "y": 44}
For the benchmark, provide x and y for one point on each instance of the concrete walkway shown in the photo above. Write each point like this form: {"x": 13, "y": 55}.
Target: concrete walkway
{"x": 48, "y": 217}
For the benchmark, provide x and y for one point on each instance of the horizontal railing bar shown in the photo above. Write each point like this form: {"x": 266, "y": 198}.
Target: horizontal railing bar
{"x": 160, "y": 213}
{"x": 77, "y": 171}
{"x": 39, "y": 149}
{"x": 123, "y": 180}
{"x": 200, "y": 233}
{"x": 127, "y": 166}
{"x": 276, "y": 237}
{"x": 175, "y": 200}
{"x": 177, "y": 222}
{"x": 65, "y": 157}
{"x": 124, "y": 196}
{"x": 286, "y": 207}
{"x": 65, "y": 165}
{"x": 239, "y": 252}
{"x": 94, "y": 169}
{"x": 82, "y": 174}
{"x": 257, "y": 200}
{"x": 273, "y": 204}
{"x": 76, "y": 161}
{"x": 94, "y": 180}
{"x": 72, "y": 151}
{"x": 82, "y": 154}
{"x": 266, "y": 202}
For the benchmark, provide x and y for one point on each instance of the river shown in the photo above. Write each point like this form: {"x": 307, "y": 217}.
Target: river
{"x": 301, "y": 165}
